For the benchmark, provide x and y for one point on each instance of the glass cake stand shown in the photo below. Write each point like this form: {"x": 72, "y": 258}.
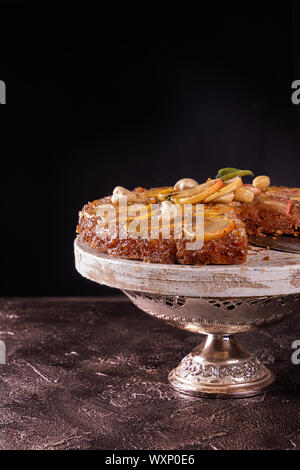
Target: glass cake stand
{"x": 217, "y": 301}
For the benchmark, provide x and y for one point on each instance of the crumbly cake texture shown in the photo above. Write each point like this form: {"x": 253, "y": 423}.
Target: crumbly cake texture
{"x": 273, "y": 211}
{"x": 228, "y": 249}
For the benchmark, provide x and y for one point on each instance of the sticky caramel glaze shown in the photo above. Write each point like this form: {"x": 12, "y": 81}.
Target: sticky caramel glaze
{"x": 228, "y": 249}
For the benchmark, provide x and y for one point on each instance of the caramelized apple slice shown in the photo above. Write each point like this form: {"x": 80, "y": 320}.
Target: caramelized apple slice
{"x": 282, "y": 206}
{"x": 284, "y": 190}
{"x": 217, "y": 227}
{"x": 218, "y": 209}
{"x": 214, "y": 227}
{"x": 198, "y": 193}
{"x": 164, "y": 193}
{"x": 237, "y": 183}
{"x": 195, "y": 189}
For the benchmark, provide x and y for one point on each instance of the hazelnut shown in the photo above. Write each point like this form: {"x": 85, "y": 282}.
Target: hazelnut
{"x": 261, "y": 182}
{"x": 185, "y": 183}
{"x": 120, "y": 192}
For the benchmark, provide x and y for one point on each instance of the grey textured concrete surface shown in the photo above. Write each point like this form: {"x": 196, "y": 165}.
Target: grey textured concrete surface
{"x": 92, "y": 374}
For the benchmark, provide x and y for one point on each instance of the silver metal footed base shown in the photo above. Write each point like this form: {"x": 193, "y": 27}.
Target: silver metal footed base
{"x": 220, "y": 367}
{"x": 218, "y": 300}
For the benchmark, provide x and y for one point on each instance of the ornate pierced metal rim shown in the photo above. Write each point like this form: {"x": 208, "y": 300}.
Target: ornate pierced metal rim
{"x": 245, "y": 312}
{"x": 228, "y": 303}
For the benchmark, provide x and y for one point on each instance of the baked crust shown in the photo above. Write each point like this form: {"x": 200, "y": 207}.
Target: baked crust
{"x": 230, "y": 248}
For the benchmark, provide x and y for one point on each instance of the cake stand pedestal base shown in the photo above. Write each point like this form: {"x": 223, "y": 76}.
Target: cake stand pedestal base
{"x": 218, "y": 301}
{"x": 220, "y": 367}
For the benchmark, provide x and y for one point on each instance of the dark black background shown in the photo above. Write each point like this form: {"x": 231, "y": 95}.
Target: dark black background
{"x": 132, "y": 94}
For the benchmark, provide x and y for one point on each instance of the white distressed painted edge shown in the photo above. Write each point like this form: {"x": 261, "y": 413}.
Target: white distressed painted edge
{"x": 280, "y": 275}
